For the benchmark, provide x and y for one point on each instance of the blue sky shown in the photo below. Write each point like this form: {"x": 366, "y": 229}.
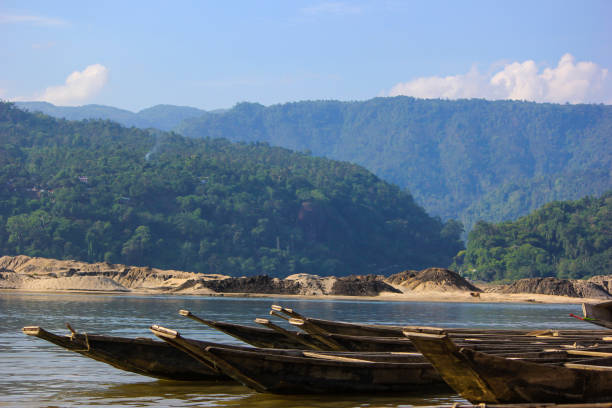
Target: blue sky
{"x": 213, "y": 54}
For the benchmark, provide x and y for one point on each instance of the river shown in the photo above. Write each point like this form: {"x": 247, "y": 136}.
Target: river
{"x": 35, "y": 373}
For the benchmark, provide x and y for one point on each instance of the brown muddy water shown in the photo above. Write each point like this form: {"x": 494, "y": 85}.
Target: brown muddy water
{"x": 35, "y": 373}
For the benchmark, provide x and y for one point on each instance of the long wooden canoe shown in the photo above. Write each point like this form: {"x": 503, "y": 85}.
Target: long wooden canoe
{"x": 142, "y": 356}
{"x": 485, "y": 378}
{"x": 258, "y": 336}
{"x": 297, "y": 372}
{"x": 315, "y": 325}
{"x": 282, "y": 338}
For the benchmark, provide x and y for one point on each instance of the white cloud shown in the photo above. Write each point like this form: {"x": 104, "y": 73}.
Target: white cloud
{"x": 334, "y": 7}
{"x": 34, "y": 20}
{"x": 581, "y": 82}
{"x": 79, "y": 87}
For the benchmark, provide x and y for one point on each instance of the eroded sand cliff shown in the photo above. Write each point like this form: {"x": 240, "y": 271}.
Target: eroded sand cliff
{"x": 433, "y": 284}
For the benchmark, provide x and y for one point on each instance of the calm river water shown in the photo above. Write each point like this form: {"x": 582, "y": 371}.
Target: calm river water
{"x": 35, "y": 373}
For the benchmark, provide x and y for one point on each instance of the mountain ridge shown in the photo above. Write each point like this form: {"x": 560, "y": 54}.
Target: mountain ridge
{"x": 162, "y": 117}
{"x": 464, "y": 159}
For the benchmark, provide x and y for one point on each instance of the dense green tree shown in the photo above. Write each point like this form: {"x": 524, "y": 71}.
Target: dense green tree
{"x": 462, "y": 159}
{"x": 571, "y": 239}
{"x": 93, "y": 190}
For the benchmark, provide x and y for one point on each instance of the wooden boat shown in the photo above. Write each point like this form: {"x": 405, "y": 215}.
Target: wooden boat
{"x": 299, "y": 371}
{"x": 535, "y": 352}
{"x": 276, "y": 337}
{"x": 598, "y": 313}
{"x": 296, "y": 372}
{"x": 259, "y": 336}
{"x": 485, "y": 378}
{"x": 166, "y": 333}
{"x": 142, "y": 356}
{"x": 321, "y": 326}
{"x": 344, "y": 328}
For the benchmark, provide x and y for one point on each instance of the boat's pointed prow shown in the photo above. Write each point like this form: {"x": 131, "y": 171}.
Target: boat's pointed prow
{"x": 286, "y": 311}
{"x": 32, "y": 330}
{"x": 164, "y": 332}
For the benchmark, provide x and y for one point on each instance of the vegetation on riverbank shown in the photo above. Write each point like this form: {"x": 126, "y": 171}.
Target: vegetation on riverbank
{"x": 570, "y": 239}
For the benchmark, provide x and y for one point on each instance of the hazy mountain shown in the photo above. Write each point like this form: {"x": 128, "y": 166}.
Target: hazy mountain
{"x": 163, "y": 117}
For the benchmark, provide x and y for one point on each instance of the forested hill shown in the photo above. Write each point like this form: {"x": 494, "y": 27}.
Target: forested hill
{"x": 570, "y": 239}
{"x": 465, "y": 159}
{"x": 94, "y": 190}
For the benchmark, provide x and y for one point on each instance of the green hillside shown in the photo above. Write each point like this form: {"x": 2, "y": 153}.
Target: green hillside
{"x": 464, "y": 159}
{"x": 571, "y": 239}
{"x": 94, "y": 190}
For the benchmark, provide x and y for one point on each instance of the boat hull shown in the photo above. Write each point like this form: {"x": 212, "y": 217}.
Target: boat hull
{"x": 141, "y": 356}
{"x": 484, "y": 378}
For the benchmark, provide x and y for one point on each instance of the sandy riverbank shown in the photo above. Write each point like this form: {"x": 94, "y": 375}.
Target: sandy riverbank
{"x": 27, "y": 274}
{"x": 458, "y": 297}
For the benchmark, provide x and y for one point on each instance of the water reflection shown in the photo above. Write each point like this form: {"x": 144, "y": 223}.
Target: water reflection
{"x": 172, "y": 394}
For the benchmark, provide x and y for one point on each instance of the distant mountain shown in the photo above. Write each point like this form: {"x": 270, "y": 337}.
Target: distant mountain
{"x": 94, "y": 190}
{"x": 465, "y": 159}
{"x": 167, "y": 117}
{"x": 163, "y": 117}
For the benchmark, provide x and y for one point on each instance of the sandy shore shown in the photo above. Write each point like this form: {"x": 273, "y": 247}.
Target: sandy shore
{"x": 446, "y": 297}
{"x": 23, "y": 274}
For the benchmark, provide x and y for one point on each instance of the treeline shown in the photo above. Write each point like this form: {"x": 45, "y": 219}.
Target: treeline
{"x": 463, "y": 159}
{"x": 94, "y": 190}
{"x": 571, "y": 239}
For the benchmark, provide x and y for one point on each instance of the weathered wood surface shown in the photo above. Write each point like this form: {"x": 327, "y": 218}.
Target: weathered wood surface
{"x": 379, "y": 330}
{"x": 276, "y": 337}
{"x": 598, "y": 313}
{"x": 166, "y": 334}
{"x": 297, "y": 371}
{"x": 285, "y": 371}
{"x": 487, "y": 378}
{"x": 258, "y": 336}
{"x": 142, "y": 356}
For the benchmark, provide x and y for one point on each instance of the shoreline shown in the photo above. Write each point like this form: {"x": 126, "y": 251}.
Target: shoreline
{"x": 24, "y": 274}
{"x": 421, "y": 297}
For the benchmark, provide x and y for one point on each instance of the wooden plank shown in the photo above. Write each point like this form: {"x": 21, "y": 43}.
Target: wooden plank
{"x": 333, "y": 357}
{"x": 287, "y": 311}
{"x": 588, "y": 367}
{"x": 589, "y": 353}
{"x": 317, "y": 333}
{"x": 287, "y": 333}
